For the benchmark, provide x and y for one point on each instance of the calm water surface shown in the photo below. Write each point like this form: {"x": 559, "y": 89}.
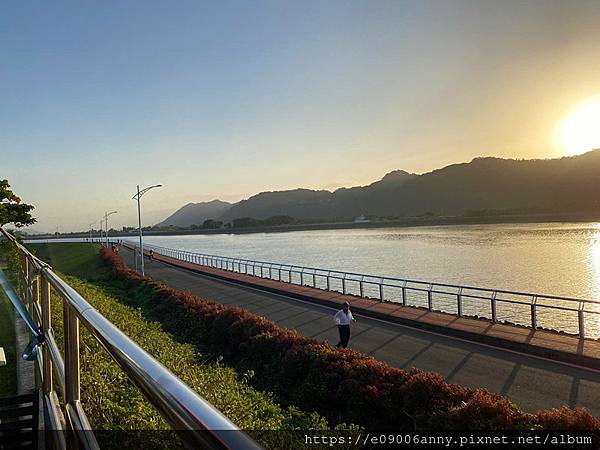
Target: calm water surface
{"x": 561, "y": 259}
{"x": 558, "y": 259}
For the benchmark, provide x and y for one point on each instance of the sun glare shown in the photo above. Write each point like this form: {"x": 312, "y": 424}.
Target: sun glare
{"x": 580, "y": 130}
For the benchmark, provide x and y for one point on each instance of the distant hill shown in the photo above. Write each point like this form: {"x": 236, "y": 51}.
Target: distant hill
{"x": 196, "y": 213}
{"x": 566, "y": 184}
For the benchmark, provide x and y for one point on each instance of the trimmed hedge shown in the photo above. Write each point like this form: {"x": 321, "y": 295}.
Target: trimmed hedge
{"x": 342, "y": 384}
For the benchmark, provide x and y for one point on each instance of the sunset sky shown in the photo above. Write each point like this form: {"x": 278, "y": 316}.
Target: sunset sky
{"x": 228, "y": 98}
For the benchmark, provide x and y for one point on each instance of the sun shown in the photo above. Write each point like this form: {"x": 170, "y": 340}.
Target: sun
{"x": 579, "y": 132}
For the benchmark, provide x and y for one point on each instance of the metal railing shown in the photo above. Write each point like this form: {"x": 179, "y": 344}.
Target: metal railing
{"x": 181, "y": 407}
{"x": 527, "y": 309}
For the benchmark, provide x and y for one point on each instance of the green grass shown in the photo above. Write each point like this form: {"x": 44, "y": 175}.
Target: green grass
{"x": 79, "y": 260}
{"x": 8, "y": 373}
{"x": 109, "y": 398}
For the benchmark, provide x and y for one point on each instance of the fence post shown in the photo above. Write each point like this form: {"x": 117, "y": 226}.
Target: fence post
{"x": 404, "y": 295}
{"x": 459, "y": 302}
{"x": 46, "y": 325}
{"x": 328, "y": 283}
{"x": 71, "y": 345}
{"x": 430, "y": 298}
{"x": 533, "y": 313}
{"x": 494, "y": 315}
{"x": 35, "y": 297}
{"x": 314, "y": 280}
{"x": 381, "y": 292}
{"x": 302, "y": 277}
{"x": 580, "y": 316}
{"x": 360, "y": 288}
{"x": 344, "y": 284}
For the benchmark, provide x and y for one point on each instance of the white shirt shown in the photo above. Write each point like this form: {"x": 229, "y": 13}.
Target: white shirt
{"x": 343, "y": 318}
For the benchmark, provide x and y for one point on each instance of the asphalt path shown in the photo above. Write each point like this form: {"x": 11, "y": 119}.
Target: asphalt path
{"x": 531, "y": 382}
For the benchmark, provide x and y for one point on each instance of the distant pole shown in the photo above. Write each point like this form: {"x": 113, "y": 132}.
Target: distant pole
{"x": 141, "y": 252}
{"x": 91, "y": 229}
{"x": 138, "y": 197}
{"x": 106, "y": 214}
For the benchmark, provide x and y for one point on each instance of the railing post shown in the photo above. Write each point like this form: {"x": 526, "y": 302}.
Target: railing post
{"x": 71, "y": 337}
{"x": 344, "y": 284}
{"x": 404, "y": 294}
{"x": 261, "y": 271}
{"x": 27, "y": 292}
{"x": 459, "y": 302}
{"x": 381, "y": 292}
{"x": 35, "y": 297}
{"x": 533, "y": 313}
{"x": 279, "y": 276}
{"x": 360, "y": 287}
{"x": 46, "y": 325}
{"x": 290, "y": 276}
{"x": 328, "y": 283}
{"x": 314, "y": 280}
{"x": 494, "y": 314}
{"x": 580, "y": 316}
{"x": 430, "y": 298}
{"x": 302, "y": 277}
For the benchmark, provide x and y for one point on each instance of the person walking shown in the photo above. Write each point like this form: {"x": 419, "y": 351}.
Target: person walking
{"x": 342, "y": 319}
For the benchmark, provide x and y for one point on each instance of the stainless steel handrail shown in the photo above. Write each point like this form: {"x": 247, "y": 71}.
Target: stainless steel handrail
{"x": 182, "y": 408}
{"x": 324, "y": 279}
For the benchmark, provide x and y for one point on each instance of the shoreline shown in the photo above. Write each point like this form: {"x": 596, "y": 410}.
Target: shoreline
{"x": 401, "y": 223}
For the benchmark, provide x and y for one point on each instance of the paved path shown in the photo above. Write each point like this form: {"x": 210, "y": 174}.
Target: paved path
{"x": 531, "y": 382}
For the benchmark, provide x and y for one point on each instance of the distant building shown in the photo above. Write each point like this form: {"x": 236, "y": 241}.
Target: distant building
{"x": 361, "y": 219}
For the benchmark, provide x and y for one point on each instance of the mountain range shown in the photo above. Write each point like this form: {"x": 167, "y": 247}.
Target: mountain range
{"x": 565, "y": 184}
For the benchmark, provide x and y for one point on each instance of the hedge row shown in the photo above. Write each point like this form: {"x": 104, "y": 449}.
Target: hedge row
{"x": 342, "y": 384}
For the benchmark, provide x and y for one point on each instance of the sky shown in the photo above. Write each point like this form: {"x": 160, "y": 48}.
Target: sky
{"x": 225, "y": 99}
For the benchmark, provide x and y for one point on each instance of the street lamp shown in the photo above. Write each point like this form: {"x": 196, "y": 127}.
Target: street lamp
{"x": 137, "y": 197}
{"x": 106, "y": 214}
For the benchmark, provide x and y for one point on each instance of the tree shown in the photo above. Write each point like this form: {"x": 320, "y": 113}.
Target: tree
{"x": 244, "y": 222}
{"x": 212, "y": 224}
{"x": 11, "y": 208}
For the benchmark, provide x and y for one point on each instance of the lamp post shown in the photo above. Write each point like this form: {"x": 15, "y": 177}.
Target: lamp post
{"x": 106, "y": 214}
{"x": 91, "y": 229}
{"x": 138, "y": 197}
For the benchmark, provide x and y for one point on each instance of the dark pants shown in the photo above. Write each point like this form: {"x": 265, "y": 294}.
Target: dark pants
{"x": 344, "y": 335}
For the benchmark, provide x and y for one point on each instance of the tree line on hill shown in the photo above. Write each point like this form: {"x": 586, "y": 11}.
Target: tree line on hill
{"x": 484, "y": 186}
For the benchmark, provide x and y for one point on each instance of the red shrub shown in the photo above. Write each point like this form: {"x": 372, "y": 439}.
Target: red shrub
{"x": 567, "y": 419}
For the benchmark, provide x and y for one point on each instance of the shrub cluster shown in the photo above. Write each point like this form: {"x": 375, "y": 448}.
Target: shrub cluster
{"x": 342, "y": 384}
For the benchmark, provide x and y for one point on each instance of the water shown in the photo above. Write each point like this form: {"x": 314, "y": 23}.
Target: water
{"x": 560, "y": 259}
